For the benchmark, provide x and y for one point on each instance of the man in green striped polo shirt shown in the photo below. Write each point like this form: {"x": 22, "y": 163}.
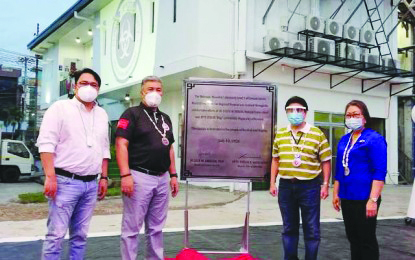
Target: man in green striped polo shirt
{"x": 301, "y": 154}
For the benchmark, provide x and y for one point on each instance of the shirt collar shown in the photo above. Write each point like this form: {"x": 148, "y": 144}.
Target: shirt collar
{"x": 148, "y": 109}
{"x": 305, "y": 129}
{"x": 80, "y": 104}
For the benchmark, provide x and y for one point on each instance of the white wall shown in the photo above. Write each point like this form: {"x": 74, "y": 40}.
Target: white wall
{"x": 50, "y": 77}
{"x": 202, "y": 36}
{"x": 147, "y": 44}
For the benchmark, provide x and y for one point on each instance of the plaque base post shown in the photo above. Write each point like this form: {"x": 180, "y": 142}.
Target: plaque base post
{"x": 245, "y": 233}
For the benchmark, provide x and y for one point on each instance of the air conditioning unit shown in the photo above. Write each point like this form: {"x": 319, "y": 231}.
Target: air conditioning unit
{"x": 333, "y": 28}
{"x": 348, "y": 51}
{"x": 322, "y": 46}
{"x": 298, "y": 45}
{"x": 390, "y": 63}
{"x": 367, "y": 36}
{"x": 314, "y": 23}
{"x": 350, "y": 32}
{"x": 371, "y": 59}
{"x": 273, "y": 42}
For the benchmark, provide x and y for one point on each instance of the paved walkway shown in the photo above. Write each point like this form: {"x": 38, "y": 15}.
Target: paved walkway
{"x": 396, "y": 241}
{"x": 216, "y": 217}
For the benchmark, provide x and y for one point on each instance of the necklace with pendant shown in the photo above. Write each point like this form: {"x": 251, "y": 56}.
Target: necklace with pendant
{"x": 164, "y": 140}
{"x": 346, "y": 154}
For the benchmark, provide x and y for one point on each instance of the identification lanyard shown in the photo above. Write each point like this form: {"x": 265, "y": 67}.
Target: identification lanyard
{"x": 346, "y": 154}
{"x": 297, "y": 154}
{"x": 296, "y": 143}
{"x": 164, "y": 140}
{"x": 88, "y": 135}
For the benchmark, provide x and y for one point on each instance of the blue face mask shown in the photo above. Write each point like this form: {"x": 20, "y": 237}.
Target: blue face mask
{"x": 295, "y": 118}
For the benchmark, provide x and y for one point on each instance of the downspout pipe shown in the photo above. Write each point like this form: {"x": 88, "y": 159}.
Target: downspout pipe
{"x": 77, "y": 16}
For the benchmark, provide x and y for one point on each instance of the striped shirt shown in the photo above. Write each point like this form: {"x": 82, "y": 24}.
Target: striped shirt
{"x": 310, "y": 144}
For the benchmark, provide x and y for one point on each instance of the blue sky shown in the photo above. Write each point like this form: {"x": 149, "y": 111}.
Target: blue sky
{"x": 18, "y": 19}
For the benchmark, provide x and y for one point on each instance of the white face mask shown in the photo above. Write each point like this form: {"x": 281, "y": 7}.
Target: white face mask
{"x": 354, "y": 123}
{"x": 87, "y": 93}
{"x": 152, "y": 99}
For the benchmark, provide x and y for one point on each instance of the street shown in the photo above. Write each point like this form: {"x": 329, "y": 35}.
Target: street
{"x": 10, "y": 191}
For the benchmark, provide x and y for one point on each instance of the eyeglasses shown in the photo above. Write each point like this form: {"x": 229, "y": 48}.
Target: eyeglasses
{"x": 87, "y": 83}
{"x": 354, "y": 115}
{"x": 294, "y": 110}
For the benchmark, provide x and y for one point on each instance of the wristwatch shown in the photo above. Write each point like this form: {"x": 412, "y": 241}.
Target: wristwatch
{"x": 374, "y": 199}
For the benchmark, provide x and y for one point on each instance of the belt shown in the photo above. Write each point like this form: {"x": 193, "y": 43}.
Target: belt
{"x": 86, "y": 178}
{"x": 146, "y": 171}
{"x": 295, "y": 180}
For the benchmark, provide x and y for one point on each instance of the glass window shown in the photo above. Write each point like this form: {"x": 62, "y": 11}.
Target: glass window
{"x": 337, "y": 118}
{"x": 321, "y": 117}
{"x": 18, "y": 150}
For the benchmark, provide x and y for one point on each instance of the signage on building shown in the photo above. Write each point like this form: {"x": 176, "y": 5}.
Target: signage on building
{"x": 229, "y": 129}
{"x": 126, "y": 39}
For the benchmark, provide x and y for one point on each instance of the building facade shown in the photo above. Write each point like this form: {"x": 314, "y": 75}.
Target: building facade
{"x": 126, "y": 40}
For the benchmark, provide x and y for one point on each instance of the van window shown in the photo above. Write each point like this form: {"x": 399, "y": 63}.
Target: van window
{"x": 18, "y": 150}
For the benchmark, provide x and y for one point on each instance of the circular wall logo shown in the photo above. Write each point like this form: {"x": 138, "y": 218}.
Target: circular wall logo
{"x": 126, "y": 39}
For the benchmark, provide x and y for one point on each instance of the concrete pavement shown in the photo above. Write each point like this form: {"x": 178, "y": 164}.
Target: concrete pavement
{"x": 211, "y": 208}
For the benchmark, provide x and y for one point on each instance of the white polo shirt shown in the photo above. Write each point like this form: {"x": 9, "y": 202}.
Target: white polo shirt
{"x": 78, "y": 138}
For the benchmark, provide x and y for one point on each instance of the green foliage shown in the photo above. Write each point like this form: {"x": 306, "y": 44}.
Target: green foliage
{"x": 114, "y": 192}
{"x": 38, "y": 197}
{"x": 32, "y": 197}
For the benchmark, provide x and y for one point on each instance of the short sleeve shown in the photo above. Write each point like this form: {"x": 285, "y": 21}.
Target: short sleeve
{"x": 275, "y": 147}
{"x": 106, "y": 146}
{"x": 49, "y": 130}
{"x": 125, "y": 125}
{"x": 170, "y": 136}
{"x": 324, "y": 148}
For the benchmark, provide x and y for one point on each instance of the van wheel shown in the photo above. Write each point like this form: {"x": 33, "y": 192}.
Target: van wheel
{"x": 11, "y": 174}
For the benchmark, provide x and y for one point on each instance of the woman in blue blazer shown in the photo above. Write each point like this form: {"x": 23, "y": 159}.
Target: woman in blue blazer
{"x": 360, "y": 176}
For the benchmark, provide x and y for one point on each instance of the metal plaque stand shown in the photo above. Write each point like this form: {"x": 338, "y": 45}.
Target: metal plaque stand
{"x": 245, "y": 235}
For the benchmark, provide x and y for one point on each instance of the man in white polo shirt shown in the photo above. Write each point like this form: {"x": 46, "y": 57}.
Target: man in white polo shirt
{"x": 74, "y": 149}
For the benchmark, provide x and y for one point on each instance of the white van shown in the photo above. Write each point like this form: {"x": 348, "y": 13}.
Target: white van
{"x": 16, "y": 161}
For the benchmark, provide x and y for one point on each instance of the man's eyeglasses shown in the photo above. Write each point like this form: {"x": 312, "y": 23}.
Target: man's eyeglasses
{"x": 295, "y": 109}
{"x": 354, "y": 115}
{"x": 87, "y": 83}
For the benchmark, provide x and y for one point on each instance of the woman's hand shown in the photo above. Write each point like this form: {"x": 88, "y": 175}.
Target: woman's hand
{"x": 336, "y": 203}
{"x": 371, "y": 209}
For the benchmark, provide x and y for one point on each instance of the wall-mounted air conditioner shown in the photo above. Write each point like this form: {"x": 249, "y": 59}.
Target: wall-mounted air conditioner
{"x": 367, "y": 36}
{"x": 314, "y": 23}
{"x": 390, "y": 63}
{"x": 350, "y": 32}
{"x": 322, "y": 46}
{"x": 348, "y": 51}
{"x": 298, "y": 45}
{"x": 371, "y": 59}
{"x": 333, "y": 27}
{"x": 273, "y": 42}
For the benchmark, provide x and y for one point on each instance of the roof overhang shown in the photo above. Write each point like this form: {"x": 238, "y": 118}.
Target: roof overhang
{"x": 65, "y": 23}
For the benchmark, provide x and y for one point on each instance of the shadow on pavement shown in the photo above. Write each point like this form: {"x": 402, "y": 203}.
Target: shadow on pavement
{"x": 396, "y": 241}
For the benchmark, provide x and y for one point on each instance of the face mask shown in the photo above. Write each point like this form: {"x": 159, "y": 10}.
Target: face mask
{"x": 354, "y": 123}
{"x": 295, "y": 118}
{"x": 153, "y": 99}
{"x": 87, "y": 93}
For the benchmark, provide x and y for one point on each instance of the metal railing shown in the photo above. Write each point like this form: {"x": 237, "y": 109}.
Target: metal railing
{"x": 405, "y": 166}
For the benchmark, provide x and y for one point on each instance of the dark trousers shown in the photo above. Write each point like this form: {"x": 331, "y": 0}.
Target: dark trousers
{"x": 360, "y": 230}
{"x": 293, "y": 197}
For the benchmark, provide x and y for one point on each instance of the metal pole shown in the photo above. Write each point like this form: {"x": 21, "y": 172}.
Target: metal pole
{"x": 186, "y": 217}
{"x": 35, "y": 93}
{"x": 245, "y": 235}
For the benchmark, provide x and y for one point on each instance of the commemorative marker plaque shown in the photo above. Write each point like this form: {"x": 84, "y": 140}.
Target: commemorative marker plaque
{"x": 228, "y": 129}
